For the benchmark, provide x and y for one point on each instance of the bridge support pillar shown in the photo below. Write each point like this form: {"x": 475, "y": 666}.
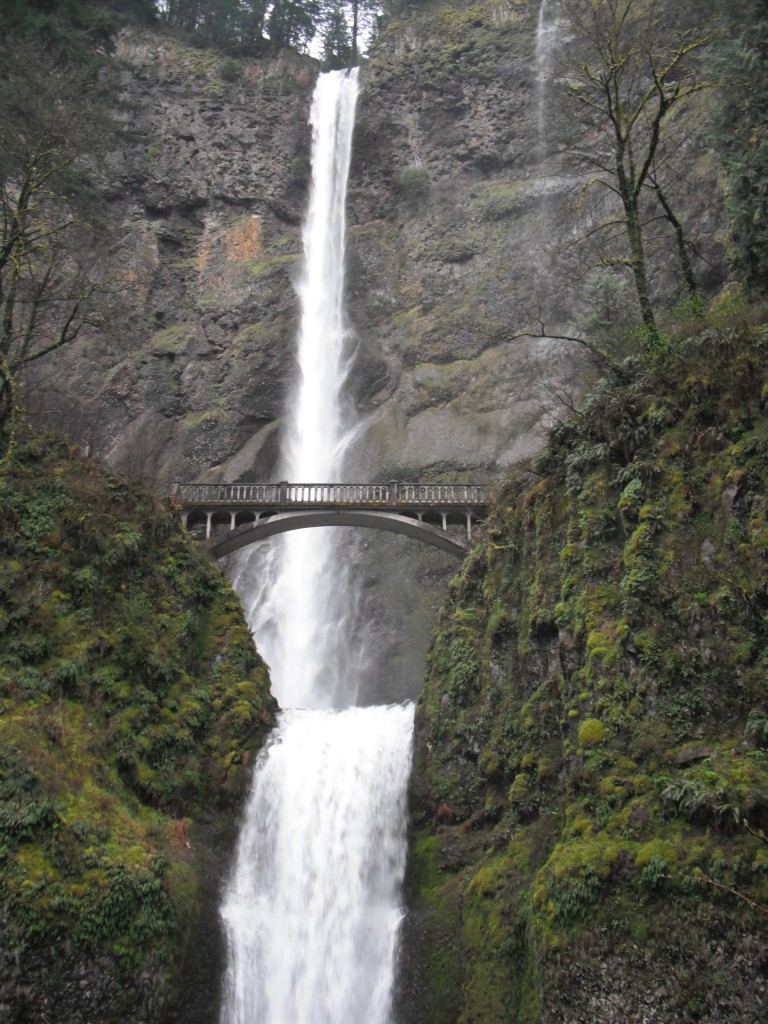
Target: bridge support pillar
{"x": 208, "y": 518}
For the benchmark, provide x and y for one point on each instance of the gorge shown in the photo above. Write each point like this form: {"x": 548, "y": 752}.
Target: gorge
{"x": 587, "y": 809}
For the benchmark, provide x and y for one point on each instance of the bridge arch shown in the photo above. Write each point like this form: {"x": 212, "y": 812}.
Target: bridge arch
{"x": 283, "y": 522}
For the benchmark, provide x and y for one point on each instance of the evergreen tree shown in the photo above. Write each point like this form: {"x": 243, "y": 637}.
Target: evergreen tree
{"x": 362, "y": 14}
{"x": 246, "y": 26}
{"x": 70, "y": 30}
{"x": 337, "y": 43}
{"x": 740, "y": 133}
{"x": 290, "y": 23}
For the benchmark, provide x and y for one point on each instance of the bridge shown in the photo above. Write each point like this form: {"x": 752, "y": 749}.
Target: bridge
{"x": 231, "y": 516}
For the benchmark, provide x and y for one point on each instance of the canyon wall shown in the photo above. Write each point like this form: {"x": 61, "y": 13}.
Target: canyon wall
{"x": 464, "y": 204}
{"x": 465, "y": 212}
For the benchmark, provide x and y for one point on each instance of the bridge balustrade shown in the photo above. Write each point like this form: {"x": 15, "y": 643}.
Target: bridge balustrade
{"x": 284, "y": 493}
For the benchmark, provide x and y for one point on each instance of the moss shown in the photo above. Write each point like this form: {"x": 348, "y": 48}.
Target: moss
{"x": 610, "y": 676}
{"x": 206, "y": 417}
{"x": 499, "y": 201}
{"x": 131, "y": 701}
{"x": 441, "y": 893}
{"x": 658, "y": 850}
{"x": 172, "y": 341}
{"x": 591, "y": 733}
{"x": 262, "y": 268}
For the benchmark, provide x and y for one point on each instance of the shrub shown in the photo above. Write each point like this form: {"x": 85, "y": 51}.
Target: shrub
{"x": 230, "y": 70}
{"x": 413, "y": 183}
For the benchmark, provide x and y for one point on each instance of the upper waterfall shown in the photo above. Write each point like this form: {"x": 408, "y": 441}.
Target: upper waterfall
{"x": 318, "y": 414}
{"x": 302, "y": 617}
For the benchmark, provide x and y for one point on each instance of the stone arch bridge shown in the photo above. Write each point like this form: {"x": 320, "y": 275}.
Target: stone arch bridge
{"x": 231, "y": 516}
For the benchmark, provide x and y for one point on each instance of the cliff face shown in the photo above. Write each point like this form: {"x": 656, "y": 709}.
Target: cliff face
{"x": 590, "y": 793}
{"x": 589, "y": 765}
{"x": 204, "y": 202}
{"x": 131, "y": 699}
{"x": 463, "y": 204}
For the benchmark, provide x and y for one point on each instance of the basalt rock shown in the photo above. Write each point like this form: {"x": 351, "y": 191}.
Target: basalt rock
{"x": 463, "y": 202}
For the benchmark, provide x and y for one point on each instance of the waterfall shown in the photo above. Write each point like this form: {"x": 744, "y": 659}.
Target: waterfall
{"x": 546, "y": 38}
{"x": 301, "y": 621}
{"x": 312, "y": 909}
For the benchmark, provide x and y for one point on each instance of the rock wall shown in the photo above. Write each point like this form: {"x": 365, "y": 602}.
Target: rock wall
{"x": 205, "y": 199}
{"x": 463, "y": 199}
{"x": 462, "y": 202}
{"x": 589, "y": 799}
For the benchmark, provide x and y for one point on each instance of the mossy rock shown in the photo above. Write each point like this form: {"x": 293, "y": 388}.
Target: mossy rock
{"x": 131, "y": 702}
{"x": 596, "y": 697}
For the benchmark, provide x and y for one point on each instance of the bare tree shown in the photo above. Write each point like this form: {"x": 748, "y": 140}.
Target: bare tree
{"x": 636, "y": 67}
{"x": 53, "y": 123}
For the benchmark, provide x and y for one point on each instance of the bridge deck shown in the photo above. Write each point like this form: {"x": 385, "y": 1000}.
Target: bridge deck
{"x": 286, "y": 495}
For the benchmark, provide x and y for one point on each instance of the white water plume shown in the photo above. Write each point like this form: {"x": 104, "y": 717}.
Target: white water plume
{"x": 304, "y": 623}
{"x": 316, "y": 917}
{"x": 312, "y": 910}
{"x": 548, "y": 41}
{"x": 547, "y": 34}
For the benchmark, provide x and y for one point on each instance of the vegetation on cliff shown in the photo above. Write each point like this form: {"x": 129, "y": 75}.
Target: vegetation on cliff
{"x": 591, "y": 789}
{"x": 130, "y": 699}
{"x": 55, "y": 124}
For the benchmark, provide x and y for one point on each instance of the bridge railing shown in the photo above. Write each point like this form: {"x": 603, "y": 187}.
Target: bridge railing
{"x": 221, "y": 494}
{"x": 443, "y": 494}
{"x": 285, "y": 493}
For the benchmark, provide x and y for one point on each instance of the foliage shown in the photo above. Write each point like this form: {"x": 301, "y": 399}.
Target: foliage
{"x": 757, "y": 727}
{"x": 413, "y": 183}
{"x": 596, "y": 669}
{"x": 130, "y": 699}
{"x": 74, "y": 31}
{"x": 608, "y": 317}
{"x": 739, "y": 132}
{"x": 230, "y": 70}
{"x": 337, "y": 42}
{"x": 248, "y": 27}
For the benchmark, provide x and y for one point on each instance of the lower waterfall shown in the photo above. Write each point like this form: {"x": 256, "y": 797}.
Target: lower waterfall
{"x": 312, "y": 909}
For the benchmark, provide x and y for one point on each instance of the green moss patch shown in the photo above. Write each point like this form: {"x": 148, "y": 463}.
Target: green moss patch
{"x": 596, "y": 698}
{"x": 131, "y": 699}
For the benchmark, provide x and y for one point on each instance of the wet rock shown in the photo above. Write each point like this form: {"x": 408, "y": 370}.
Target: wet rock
{"x": 727, "y": 499}
{"x": 706, "y": 551}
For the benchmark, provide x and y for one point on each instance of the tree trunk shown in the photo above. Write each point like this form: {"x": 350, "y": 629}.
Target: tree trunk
{"x": 7, "y": 401}
{"x": 637, "y": 253}
{"x": 682, "y": 249}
